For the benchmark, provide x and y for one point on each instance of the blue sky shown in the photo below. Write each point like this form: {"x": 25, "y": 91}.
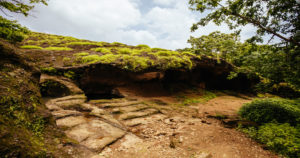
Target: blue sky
{"x": 157, "y": 23}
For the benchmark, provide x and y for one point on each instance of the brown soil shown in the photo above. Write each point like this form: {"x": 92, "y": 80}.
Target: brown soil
{"x": 153, "y": 126}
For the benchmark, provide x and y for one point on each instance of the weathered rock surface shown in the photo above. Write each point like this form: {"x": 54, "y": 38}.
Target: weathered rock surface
{"x": 126, "y": 128}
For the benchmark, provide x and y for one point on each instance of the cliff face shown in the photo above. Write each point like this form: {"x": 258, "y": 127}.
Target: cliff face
{"x": 26, "y": 127}
{"x": 103, "y": 79}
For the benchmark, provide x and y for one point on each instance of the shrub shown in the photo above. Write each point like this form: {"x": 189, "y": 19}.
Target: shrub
{"x": 282, "y": 138}
{"x": 143, "y": 46}
{"x": 102, "y": 50}
{"x": 31, "y": 47}
{"x": 267, "y": 110}
{"x": 12, "y": 31}
{"x": 58, "y": 48}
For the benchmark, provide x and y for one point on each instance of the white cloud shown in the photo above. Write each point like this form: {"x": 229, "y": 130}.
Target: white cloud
{"x": 92, "y": 19}
{"x": 164, "y": 2}
{"x": 170, "y": 25}
{"x": 165, "y": 23}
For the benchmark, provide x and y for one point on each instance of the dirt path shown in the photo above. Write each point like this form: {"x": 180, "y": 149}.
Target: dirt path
{"x": 148, "y": 127}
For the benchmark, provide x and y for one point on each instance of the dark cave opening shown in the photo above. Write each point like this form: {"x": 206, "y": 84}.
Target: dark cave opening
{"x": 94, "y": 91}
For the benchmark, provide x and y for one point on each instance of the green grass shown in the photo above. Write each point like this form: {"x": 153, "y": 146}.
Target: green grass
{"x": 185, "y": 101}
{"x": 90, "y": 59}
{"x": 101, "y": 50}
{"x": 166, "y": 53}
{"x": 49, "y": 70}
{"x": 31, "y": 47}
{"x": 58, "y": 48}
{"x": 118, "y": 44}
{"x": 133, "y": 63}
{"x": 81, "y": 54}
{"x": 124, "y": 51}
{"x": 85, "y": 43}
{"x": 158, "y": 49}
{"x": 142, "y": 46}
{"x": 115, "y": 53}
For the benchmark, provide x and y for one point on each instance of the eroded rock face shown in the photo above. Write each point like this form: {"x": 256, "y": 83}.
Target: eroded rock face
{"x": 58, "y": 86}
{"x": 103, "y": 79}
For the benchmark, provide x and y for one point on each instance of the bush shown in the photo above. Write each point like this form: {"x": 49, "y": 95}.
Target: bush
{"x": 282, "y": 138}
{"x": 31, "y": 47}
{"x": 12, "y": 31}
{"x": 268, "y": 110}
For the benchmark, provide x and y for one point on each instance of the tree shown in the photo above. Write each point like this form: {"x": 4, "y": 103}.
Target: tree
{"x": 216, "y": 44}
{"x": 11, "y": 30}
{"x": 19, "y": 6}
{"x": 280, "y": 18}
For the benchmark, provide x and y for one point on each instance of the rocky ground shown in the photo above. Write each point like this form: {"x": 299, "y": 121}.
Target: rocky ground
{"x": 152, "y": 127}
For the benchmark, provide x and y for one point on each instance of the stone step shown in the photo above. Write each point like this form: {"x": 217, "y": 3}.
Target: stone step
{"x": 71, "y": 97}
{"x": 145, "y": 120}
{"x": 113, "y": 105}
{"x": 95, "y": 134}
{"x": 65, "y": 113}
{"x": 116, "y": 100}
{"x": 71, "y": 121}
{"x": 65, "y": 102}
{"x": 136, "y": 107}
{"x": 137, "y": 114}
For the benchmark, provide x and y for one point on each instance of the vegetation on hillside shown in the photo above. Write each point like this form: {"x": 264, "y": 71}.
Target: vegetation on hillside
{"x": 133, "y": 58}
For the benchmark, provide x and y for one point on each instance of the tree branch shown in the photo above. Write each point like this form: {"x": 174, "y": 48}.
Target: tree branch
{"x": 258, "y": 24}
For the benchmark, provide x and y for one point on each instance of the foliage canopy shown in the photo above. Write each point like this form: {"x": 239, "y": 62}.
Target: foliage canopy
{"x": 279, "y": 18}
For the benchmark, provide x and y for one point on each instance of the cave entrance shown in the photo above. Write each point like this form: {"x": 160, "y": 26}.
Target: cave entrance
{"x": 96, "y": 91}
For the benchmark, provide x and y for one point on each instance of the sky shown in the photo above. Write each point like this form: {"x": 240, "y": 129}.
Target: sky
{"x": 157, "y": 23}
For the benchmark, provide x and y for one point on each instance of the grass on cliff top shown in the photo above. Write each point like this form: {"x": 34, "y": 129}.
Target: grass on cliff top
{"x": 133, "y": 58}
